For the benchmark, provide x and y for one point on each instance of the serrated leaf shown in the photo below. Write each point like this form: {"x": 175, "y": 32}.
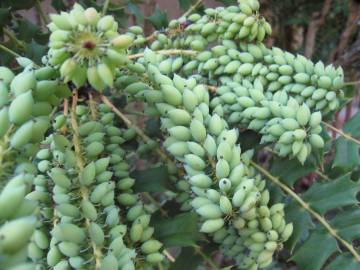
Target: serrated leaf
{"x": 229, "y": 2}
{"x": 158, "y": 19}
{"x": 187, "y": 259}
{"x": 314, "y": 252}
{"x": 59, "y": 5}
{"x": 184, "y": 4}
{"x": 343, "y": 262}
{"x": 353, "y": 125}
{"x": 289, "y": 171}
{"x": 347, "y": 224}
{"x": 151, "y": 180}
{"x": 5, "y": 16}
{"x": 346, "y": 155}
{"x": 323, "y": 197}
{"x": 27, "y": 30}
{"x": 35, "y": 51}
{"x": 135, "y": 10}
{"x": 181, "y": 230}
{"x": 152, "y": 127}
{"x": 249, "y": 139}
{"x": 18, "y": 5}
{"x": 302, "y": 222}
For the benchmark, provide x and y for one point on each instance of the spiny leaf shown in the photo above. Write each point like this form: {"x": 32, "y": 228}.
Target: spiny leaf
{"x": 302, "y": 222}
{"x": 348, "y": 224}
{"x": 337, "y": 197}
{"x": 344, "y": 262}
{"x": 181, "y": 230}
{"x": 290, "y": 170}
{"x": 158, "y": 19}
{"x": 314, "y": 252}
{"x": 353, "y": 125}
{"x": 347, "y": 155}
{"x": 187, "y": 259}
{"x": 323, "y": 197}
{"x": 135, "y": 10}
{"x": 151, "y": 180}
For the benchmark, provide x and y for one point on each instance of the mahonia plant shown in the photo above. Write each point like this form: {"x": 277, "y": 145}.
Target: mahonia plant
{"x": 68, "y": 200}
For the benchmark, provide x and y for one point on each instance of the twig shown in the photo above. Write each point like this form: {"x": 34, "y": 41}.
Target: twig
{"x": 92, "y": 106}
{"x": 156, "y": 203}
{"x": 13, "y": 38}
{"x": 317, "y": 19}
{"x": 75, "y": 129}
{"x": 169, "y": 256}
{"x": 166, "y": 52}
{"x": 324, "y": 176}
{"x": 340, "y": 132}
{"x": 65, "y": 112}
{"x": 206, "y": 258}
{"x": 106, "y": 5}
{"x": 160, "y": 267}
{"x": 192, "y": 8}
{"x": 6, "y": 49}
{"x": 80, "y": 164}
{"x": 211, "y": 88}
{"x": 351, "y": 25}
{"x": 129, "y": 124}
{"x": 45, "y": 18}
{"x": 352, "y": 83}
{"x": 306, "y": 206}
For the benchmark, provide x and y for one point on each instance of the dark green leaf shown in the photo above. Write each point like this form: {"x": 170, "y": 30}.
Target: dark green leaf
{"x": 347, "y": 155}
{"x": 228, "y": 2}
{"x": 289, "y": 171}
{"x": 120, "y": 16}
{"x": 35, "y": 51}
{"x": 343, "y": 262}
{"x": 347, "y": 223}
{"x": 181, "y": 230}
{"x": 187, "y": 259}
{"x": 249, "y": 139}
{"x": 59, "y": 5}
{"x": 135, "y": 10}
{"x": 158, "y": 19}
{"x": 27, "y": 30}
{"x": 185, "y": 4}
{"x": 4, "y": 16}
{"x": 17, "y": 5}
{"x": 302, "y": 223}
{"x": 151, "y": 180}
{"x": 152, "y": 128}
{"x": 353, "y": 125}
{"x": 323, "y": 197}
{"x": 315, "y": 251}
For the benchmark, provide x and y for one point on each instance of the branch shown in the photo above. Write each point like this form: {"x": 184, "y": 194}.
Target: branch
{"x": 314, "y": 26}
{"x": 208, "y": 260}
{"x": 166, "y": 52}
{"x": 169, "y": 256}
{"x": 9, "y": 51}
{"x": 92, "y": 106}
{"x": 351, "y": 25}
{"x": 192, "y": 8}
{"x": 80, "y": 164}
{"x": 13, "y": 38}
{"x": 45, "y": 18}
{"x": 341, "y": 133}
{"x": 306, "y": 206}
{"x": 106, "y": 5}
{"x": 156, "y": 203}
{"x": 129, "y": 124}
